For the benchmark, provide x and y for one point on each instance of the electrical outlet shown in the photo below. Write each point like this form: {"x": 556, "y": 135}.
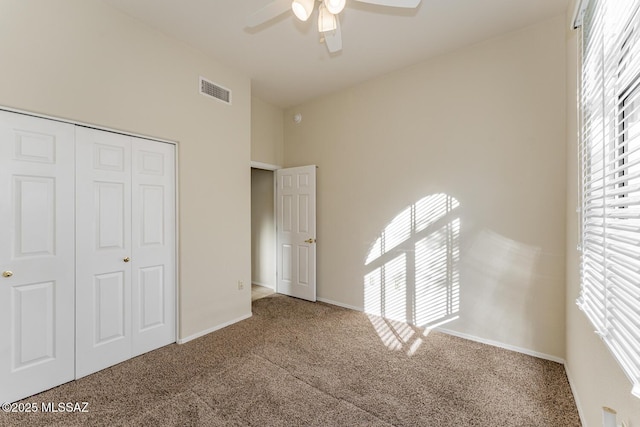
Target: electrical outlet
{"x": 240, "y": 285}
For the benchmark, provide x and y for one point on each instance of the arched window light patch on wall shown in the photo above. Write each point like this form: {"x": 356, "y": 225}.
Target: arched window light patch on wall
{"x": 412, "y": 271}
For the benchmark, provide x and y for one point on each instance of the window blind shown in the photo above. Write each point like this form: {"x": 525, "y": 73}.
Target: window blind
{"x": 610, "y": 177}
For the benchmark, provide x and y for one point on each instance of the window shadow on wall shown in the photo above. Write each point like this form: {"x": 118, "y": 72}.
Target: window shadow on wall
{"x": 412, "y": 274}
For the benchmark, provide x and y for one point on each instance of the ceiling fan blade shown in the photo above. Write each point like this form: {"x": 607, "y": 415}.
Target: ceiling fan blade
{"x": 333, "y": 39}
{"x": 269, "y": 12}
{"x": 410, "y": 4}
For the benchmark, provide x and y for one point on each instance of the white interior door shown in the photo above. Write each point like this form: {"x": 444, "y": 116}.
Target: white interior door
{"x": 296, "y": 232}
{"x": 36, "y": 255}
{"x": 153, "y": 245}
{"x": 103, "y": 244}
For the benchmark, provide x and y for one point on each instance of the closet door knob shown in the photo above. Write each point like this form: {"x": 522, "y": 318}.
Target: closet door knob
{"x": 127, "y": 259}
{"x": 7, "y": 273}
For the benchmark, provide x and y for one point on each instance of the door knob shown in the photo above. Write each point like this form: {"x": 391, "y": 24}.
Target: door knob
{"x": 7, "y": 273}
{"x": 310, "y": 240}
{"x": 126, "y": 259}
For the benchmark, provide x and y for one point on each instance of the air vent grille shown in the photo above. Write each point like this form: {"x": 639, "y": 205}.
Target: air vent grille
{"x": 210, "y": 89}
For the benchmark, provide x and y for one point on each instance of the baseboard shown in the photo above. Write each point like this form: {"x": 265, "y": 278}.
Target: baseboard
{"x": 502, "y": 345}
{"x": 263, "y": 285}
{"x": 339, "y": 304}
{"x": 215, "y": 328}
{"x": 575, "y": 395}
{"x": 468, "y": 337}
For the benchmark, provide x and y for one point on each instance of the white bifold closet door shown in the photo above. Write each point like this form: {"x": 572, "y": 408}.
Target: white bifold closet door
{"x": 36, "y": 255}
{"x": 125, "y": 246}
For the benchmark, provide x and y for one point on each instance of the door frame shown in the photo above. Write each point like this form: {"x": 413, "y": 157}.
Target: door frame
{"x": 272, "y": 168}
{"x": 176, "y": 190}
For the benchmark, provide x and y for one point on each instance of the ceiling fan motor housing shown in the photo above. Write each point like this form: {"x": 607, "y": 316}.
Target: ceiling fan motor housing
{"x": 335, "y": 6}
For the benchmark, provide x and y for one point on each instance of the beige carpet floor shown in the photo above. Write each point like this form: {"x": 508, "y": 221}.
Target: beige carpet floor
{"x": 296, "y": 363}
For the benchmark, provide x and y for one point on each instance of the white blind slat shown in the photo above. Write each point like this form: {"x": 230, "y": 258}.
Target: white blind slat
{"x": 610, "y": 172}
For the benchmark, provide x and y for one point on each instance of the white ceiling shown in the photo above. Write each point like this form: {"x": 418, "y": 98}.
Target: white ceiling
{"x": 286, "y": 61}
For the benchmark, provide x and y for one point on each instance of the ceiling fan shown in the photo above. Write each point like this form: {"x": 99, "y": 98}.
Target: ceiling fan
{"x": 328, "y": 15}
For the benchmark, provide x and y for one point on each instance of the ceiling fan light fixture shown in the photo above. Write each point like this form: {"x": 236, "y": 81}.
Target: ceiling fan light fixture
{"x": 326, "y": 20}
{"x": 302, "y": 8}
{"x": 335, "y": 6}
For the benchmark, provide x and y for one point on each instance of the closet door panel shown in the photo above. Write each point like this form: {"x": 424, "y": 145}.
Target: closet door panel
{"x": 36, "y": 255}
{"x": 153, "y": 231}
{"x": 103, "y": 244}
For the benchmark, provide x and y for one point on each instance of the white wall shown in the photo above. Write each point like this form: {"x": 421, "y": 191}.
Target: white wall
{"x": 596, "y": 377}
{"x": 267, "y": 133}
{"x": 263, "y": 229}
{"x": 82, "y": 60}
{"x": 485, "y": 126}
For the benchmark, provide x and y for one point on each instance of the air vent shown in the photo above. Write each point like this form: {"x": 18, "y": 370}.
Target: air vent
{"x": 210, "y": 89}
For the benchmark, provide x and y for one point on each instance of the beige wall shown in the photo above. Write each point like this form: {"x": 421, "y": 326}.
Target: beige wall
{"x": 263, "y": 229}
{"x": 82, "y": 60}
{"x": 596, "y": 377}
{"x": 484, "y": 125}
{"x": 267, "y": 133}
{"x": 267, "y": 146}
